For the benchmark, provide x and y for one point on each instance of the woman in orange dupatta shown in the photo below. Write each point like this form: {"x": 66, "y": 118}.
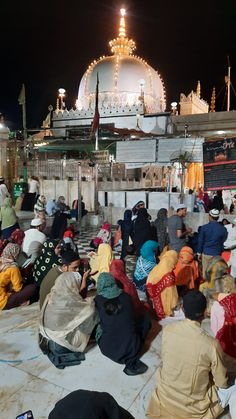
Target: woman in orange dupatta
{"x": 186, "y": 270}
{"x": 161, "y": 285}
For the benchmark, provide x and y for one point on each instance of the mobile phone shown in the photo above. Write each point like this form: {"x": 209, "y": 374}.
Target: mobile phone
{"x": 26, "y": 415}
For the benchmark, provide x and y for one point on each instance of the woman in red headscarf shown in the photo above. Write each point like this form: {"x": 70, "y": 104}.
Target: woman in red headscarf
{"x": 117, "y": 269}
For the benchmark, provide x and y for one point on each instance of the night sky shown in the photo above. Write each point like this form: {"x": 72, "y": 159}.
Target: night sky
{"x": 49, "y": 44}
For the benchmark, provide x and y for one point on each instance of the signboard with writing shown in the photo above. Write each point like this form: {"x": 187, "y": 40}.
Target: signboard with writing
{"x": 101, "y": 156}
{"x": 219, "y": 158}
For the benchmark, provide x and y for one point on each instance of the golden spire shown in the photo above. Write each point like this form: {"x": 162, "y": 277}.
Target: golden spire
{"x": 198, "y": 91}
{"x": 122, "y": 45}
{"x": 213, "y": 100}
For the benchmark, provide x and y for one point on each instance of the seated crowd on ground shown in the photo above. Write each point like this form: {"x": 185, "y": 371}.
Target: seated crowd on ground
{"x": 162, "y": 270}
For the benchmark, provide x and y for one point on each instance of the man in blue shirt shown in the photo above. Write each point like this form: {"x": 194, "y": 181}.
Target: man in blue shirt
{"x": 211, "y": 239}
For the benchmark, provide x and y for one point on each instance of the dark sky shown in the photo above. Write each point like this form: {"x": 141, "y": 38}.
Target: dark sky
{"x": 49, "y": 44}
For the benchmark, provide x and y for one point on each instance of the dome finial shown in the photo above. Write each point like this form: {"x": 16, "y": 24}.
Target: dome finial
{"x": 122, "y": 33}
{"x": 122, "y": 45}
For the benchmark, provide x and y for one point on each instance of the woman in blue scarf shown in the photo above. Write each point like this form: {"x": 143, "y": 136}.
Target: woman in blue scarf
{"x": 119, "y": 336}
{"x": 145, "y": 263}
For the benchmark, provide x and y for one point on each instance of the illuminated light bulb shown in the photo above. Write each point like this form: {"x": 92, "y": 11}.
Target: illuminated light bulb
{"x": 122, "y": 12}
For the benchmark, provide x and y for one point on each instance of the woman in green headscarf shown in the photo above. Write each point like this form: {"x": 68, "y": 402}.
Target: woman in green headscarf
{"x": 119, "y": 336}
{"x": 8, "y": 218}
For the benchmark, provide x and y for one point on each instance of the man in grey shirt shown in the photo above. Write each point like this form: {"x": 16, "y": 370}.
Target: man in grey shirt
{"x": 177, "y": 230}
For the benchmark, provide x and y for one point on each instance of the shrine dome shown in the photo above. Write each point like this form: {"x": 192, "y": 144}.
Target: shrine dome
{"x": 124, "y": 79}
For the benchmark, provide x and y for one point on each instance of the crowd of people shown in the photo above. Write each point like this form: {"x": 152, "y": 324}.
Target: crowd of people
{"x": 163, "y": 271}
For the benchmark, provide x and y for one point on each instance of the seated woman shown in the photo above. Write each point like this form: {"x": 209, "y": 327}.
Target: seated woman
{"x": 216, "y": 268}
{"x": 8, "y": 218}
{"x": 186, "y": 270}
{"x": 117, "y": 269}
{"x": 100, "y": 261}
{"x": 103, "y": 236}
{"x": 67, "y": 319}
{"x": 161, "y": 285}
{"x": 67, "y": 243}
{"x": 16, "y": 237}
{"x": 223, "y": 316}
{"x": 12, "y": 290}
{"x": 145, "y": 263}
{"x": 50, "y": 257}
{"x": 119, "y": 337}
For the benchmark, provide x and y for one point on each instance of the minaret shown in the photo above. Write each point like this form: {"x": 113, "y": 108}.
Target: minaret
{"x": 122, "y": 45}
{"x": 213, "y": 100}
{"x": 198, "y": 91}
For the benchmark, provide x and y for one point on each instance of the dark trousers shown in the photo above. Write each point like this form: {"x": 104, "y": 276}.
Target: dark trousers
{"x": 20, "y": 297}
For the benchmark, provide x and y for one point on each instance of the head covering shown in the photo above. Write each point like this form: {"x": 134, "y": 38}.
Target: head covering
{"x": 9, "y": 255}
{"x": 161, "y": 228}
{"x": 142, "y": 214}
{"x": 17, "y": 236}
{"x": 65, "y": 311}
{"x": 186, "y": 270}
{"x": 46, "y": 261}
{"x": 216, "y": 268}
{"x": 107, "y": 287}
{"x": 142, "y": 229}
{"x": 148, "y": 249}
{"x": 137, "y": 206}
{"x": 194, "y": 303}
{"x": 185, "y": 255}
{"x": 61, "y": 203}
{"x": 40, "y": 204}
{"x": 167, "y": 264}
{"x": 127, "y": 225}
{"x": 127, "y": 215}
{"x": 68, "y": 233}
{"x": 101, "y": 261}
{"x": 117, "y": 269}
{"x": 36, "y": 222}
{"x": 106, "y": 226}
{"x": 181, "y": 206}
{"x": 228, "y": 284}
{"x": 85, "y": 404}
{"x": 214, "y": 213}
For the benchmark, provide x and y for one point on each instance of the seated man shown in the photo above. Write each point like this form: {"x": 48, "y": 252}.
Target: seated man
{"x": 69, "y": 263}
{"x": 34, "y": 239}
{"x": 192, "y": 381}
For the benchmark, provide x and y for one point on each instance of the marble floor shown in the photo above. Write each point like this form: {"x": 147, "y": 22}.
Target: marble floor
{"x": 28, "y": 380}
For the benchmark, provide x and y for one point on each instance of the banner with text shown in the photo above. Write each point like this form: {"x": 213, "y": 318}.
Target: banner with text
{"x": 219, "y": 158}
